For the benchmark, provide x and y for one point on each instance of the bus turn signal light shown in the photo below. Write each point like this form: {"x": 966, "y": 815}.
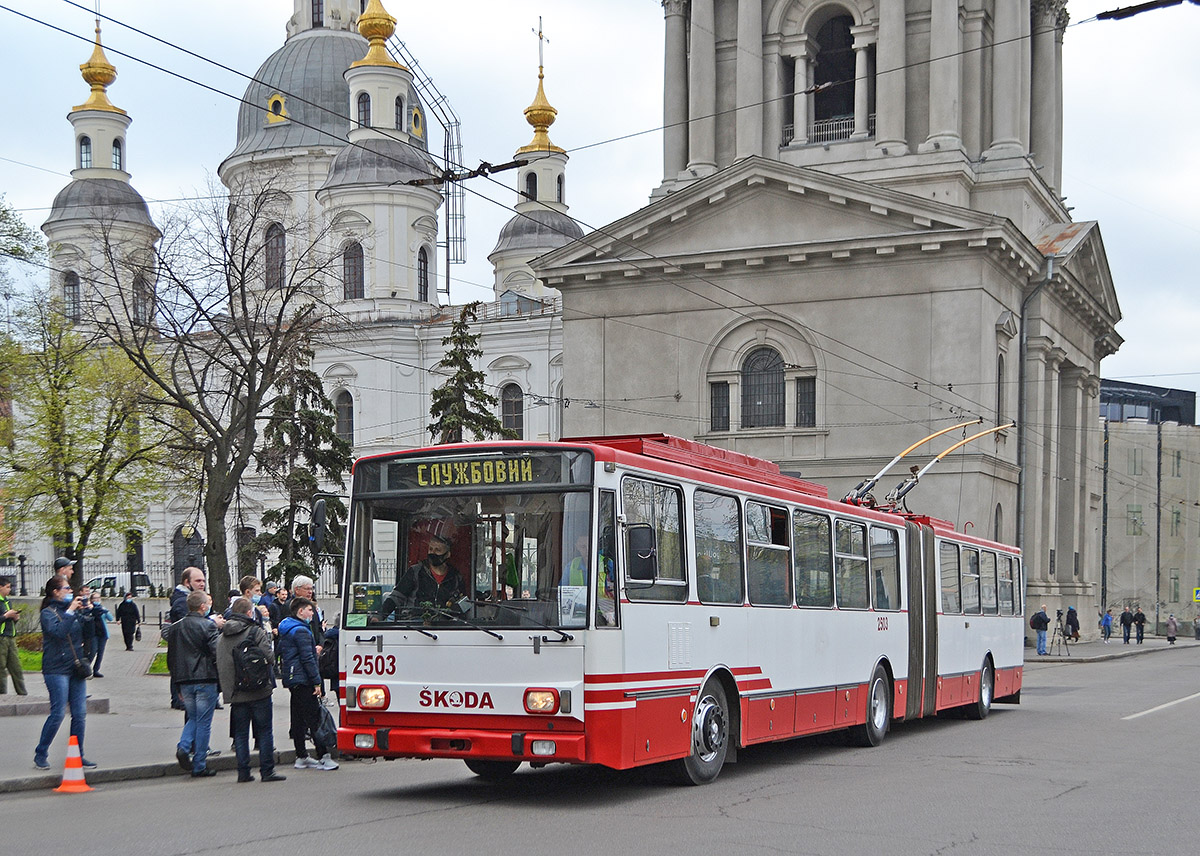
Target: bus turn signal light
{"x": 544, "y": 701}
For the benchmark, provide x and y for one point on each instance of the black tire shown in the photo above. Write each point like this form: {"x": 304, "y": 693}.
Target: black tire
{"x": 710, "y": 737}
{"x": 879, "y": 711}
{"x": 493, "y": 771}
{"x": 987, "y": 692}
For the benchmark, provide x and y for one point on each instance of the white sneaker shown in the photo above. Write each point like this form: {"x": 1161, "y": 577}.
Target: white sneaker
{"x": 326, "y": 763}
{"x": 307, "y": 763}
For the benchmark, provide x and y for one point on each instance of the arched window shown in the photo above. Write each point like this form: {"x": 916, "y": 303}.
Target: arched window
{"x": 343, "y": 403}
{"x": 143, "y": 300}
{"x": 364, "y": 110}
{"x": 512, "y": 410}
{"x": 999, "y": 388}
{"x": 85, "y": 152}
{"x": 352, "y": 272}
{"x": 762, "y": 389}
{"x": 118, "y": 162}
{"x": 423, "y": 275}
{"x": 187, "y": 549}
{"x": 135, "y": 554}
{"x": 399, "y": 113}
{"x": 71, "y": 295}
{"x": 318, "y": 13}
{"x": 531, "y": 185}
{"x": 559, "y": 194}
{"x": 276, "y": 256}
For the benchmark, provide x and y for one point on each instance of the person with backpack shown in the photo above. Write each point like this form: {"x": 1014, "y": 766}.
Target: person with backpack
{"x": 1040, "y": 622}
{"x": 244, "y": 658}
{"x": 302, "y": 677}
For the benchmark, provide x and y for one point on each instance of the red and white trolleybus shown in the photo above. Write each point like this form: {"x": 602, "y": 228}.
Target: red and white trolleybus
{"x": 643, "y": 599}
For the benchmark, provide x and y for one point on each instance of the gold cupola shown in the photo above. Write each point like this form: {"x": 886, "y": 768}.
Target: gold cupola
{"x": 98, "y": 73}
{"x": 541, "y": 115}
{"x": 376, "y": 26}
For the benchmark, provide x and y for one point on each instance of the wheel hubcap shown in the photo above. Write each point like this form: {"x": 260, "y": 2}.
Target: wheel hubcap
{"x": 878, "y": 705}
{"x": 709, "y": 730}
{"x": 985, "y": 691}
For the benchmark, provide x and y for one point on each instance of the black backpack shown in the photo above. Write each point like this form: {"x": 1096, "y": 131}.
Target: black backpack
{"x": 251, "y": 668}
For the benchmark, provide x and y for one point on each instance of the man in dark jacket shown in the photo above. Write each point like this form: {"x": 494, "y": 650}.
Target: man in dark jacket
{"x": 247, "y": 703}
{"x": 1040, "y": 621}
{"x": 303, "y": 679}
{"x": 192, "y": 659}
{"x": 130, "y": 617}
{"x": 1126, "y": 624}
{"x": 432, "y": 581}
{"x": 192, "y": 579}
{"x": 1139, "y": 621}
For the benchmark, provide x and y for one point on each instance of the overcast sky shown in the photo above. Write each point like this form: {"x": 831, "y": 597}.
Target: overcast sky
{"x": 1129, "y": 86}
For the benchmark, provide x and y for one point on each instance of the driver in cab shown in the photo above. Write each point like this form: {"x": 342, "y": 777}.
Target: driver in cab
{"x": 432, "y": 581}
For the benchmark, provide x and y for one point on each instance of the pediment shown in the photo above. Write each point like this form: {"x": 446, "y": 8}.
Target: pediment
{"x": 756, "y": 204}
{"x": 1078, "y": 250}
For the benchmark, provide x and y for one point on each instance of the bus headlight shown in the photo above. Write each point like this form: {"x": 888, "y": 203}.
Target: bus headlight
{"x": 540, "y": 700}
{"x": 373, "y": 698}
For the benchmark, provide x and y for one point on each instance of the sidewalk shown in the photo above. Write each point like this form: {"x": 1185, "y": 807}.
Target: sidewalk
{"x": 1096, "y": 651}
{"x": 131, "y": 731}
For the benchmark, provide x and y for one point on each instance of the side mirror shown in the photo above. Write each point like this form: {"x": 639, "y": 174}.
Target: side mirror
{"x": 642, "y": 552}
{"x": 317, "y": 528}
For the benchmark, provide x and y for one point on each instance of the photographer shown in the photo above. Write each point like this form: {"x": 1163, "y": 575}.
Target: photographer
{"x": 1040, "y": 622}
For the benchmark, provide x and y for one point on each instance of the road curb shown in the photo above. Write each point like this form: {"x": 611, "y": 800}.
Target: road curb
{"x": 42, "y": 707}
{"x": 1058, "y": 659}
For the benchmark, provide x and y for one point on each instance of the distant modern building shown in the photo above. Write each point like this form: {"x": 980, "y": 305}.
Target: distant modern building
{"x": 1150, "y": 481}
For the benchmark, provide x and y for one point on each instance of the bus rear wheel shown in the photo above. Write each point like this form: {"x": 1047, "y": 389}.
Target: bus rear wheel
{"x": 987, "y": 688}
{"x": 710, "y": 737}
{"x": 493, "y": 771}
{"x": 879, "y": 711}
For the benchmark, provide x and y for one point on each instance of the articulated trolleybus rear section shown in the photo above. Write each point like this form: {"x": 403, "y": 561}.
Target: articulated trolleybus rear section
{"x": 645, "y": 599}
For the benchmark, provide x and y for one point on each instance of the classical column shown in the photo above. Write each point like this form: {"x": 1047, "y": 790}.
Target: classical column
{"x": 1045, "y": 107}
{"x": 802, "y": 81}
{"x": 1007, "y": 78}
{"x": 864, "y": 37}
{"x": 773, "y": 95}
{"x": 890, "y": 91}
{"x": 945, "y": 77}
{"x": 749, "y": 79}
{"x": 702, "y": 90}
{"x": 972, "y": 81}
{"x": 675, "y": 90}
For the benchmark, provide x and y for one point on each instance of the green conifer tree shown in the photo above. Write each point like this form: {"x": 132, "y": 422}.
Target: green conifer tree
{"x": 461, "y": 405}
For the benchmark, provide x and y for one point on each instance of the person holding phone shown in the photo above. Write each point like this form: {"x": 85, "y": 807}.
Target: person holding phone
{"x": 62, "y": 641}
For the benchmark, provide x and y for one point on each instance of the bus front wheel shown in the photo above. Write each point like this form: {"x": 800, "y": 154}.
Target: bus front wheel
{"x": 879, "y": 711}
{"x": 987, "y": 688}
{"x": 493, "y": 771}
{"x": 710, "y": 737}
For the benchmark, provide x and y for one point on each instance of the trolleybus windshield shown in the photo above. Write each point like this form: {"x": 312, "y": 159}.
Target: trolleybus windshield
{"x": 473, "y": 542}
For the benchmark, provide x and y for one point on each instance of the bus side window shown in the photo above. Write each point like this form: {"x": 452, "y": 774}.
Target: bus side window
{"x": 852, "y": 584}
{"x": 948, "y": 560}
{"x": 987, "y": 583}
{"x": 659, "y": 507}
{"x": 768, "y": 581}
{"x": 885, "y": 567}
{"x": 814, "y": 559}
{"x": 718, "y": 548}
{"x": 607, "y": 593}
{"x": 970, "y": 581}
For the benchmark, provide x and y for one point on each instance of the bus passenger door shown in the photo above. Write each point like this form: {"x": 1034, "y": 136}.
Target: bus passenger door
{"x": 922, "y": 622}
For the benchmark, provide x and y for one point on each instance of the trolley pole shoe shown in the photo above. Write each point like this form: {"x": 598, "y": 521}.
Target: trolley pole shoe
{"x": 73, "y": 781}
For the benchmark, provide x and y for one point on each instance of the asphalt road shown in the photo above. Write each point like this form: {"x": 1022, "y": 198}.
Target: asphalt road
{"x": 1073, "y": 768}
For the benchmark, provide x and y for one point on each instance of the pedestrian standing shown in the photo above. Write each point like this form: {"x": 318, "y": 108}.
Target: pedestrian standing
{"x": 248, "y": 694}
{"x": 1126, "y": 624}
{"x": 100, "y": 618}
{"x": 303, "y": 680}
{"x": 1040, "y": 621}
{"x": 192, "y": 579}
{"x": 62, "y": 637}
{"x": 130, "y": 618}
{"x": 1072, "y": 623}
{"x": 1139, "y": 621}
{"x": 1172, "y": 629}
{"x": 87, "y": 624}
{"x": 10, "y": 658}
{"x": 192, "y": 658}
{"x": 1106, "y": 621}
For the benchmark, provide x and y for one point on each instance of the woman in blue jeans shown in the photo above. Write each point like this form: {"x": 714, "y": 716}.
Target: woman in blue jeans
{"x": 62, "y": 644}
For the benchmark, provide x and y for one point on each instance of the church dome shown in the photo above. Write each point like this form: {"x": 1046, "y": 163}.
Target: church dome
{"x": 378, "y": 161}
{"x": 299, "y": 98}
{"x": 537, "y": 230}
{"x": 101, "y": 200}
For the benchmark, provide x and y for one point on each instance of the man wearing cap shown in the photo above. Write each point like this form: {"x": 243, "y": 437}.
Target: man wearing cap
{"x": 431, "y": 581}
{"x": 64, "y": 567}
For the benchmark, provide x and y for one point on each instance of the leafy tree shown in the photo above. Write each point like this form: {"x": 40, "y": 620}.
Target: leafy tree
{"x": 17, "y": 241}
{"x": 81, "y": 455}
{"x": 461, "y": 404}
{"x": 304, "y": 457}
{"x": 231, "y": 310}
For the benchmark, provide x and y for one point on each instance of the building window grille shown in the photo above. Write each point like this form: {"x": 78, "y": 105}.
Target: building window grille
{"x": 806, "y": 402}
{"x": 762, "y": 389}
{"x": 718, "y": 406}
{"x": 399, "y": 113}
{"x": 85, "y": 152}
{"x": 423, "y": 275}
{"x": 118, "y": 162}
{"x": 71, "y": 295}
{"x": 318, "y": 13}
{"x": 276, "y": 252}
{"x": 353, "y": 287}
{"x": 364, "y": 110}
{"x": 344, "y": 405}
{"x": 512, "y": 410}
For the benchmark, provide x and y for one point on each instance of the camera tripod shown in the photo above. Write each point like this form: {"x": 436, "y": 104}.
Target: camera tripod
{"x": 1061, "y": 639}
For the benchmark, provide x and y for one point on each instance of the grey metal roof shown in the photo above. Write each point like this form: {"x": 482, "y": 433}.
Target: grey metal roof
{"x": 102, "y": 200}
{"x": 307, "y": 71}
{"x": 378, "y": 162}
{"x": 537, "y": 230}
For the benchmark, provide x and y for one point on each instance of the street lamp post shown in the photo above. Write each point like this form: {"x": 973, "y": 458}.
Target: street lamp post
{"x": 21, "y": 565}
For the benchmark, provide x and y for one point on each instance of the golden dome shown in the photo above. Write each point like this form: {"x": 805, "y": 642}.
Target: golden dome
{"x": 376, "y": 26}
{"x": 98, "y": 73}
{"x": 541, "y": 115}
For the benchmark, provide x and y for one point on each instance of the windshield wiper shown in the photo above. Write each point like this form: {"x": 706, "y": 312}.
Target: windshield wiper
{"x": 448, "y": 614}
{"x": 564, "y": 636}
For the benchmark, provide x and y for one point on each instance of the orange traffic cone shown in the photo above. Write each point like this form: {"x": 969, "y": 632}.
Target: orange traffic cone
{"x": 73, "y": 781}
